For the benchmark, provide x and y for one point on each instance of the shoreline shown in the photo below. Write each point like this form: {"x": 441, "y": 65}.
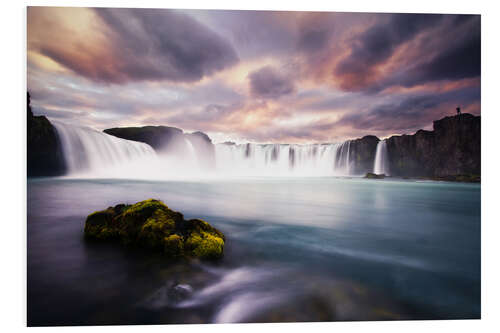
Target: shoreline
{"x": 458, "y": 178}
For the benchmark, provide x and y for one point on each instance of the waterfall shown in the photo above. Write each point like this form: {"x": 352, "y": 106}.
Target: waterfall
{"x": 381, "y": 164}
{"x": 283, "y": 159}
{"x": 90, "y": 152}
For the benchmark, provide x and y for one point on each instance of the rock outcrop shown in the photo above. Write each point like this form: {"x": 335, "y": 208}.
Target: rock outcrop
{"x": 151, "y": 224}
{"x": 45, "y": 155}
{"x": 171, "y": 140}
{"x": 371, "y": 175}
{"x": 161, "y": 138}
{"x": 362, "y": 154}
{"x": 452, "y": 148}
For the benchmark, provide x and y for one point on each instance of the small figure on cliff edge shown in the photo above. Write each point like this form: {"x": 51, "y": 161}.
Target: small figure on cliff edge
{"x": 458, "y": 111}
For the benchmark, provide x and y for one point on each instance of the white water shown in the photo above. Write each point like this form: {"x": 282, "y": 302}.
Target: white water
{"x": 381, "y": 164}
{"x": 90, "y": 153}
{"x": 283, "y": 160}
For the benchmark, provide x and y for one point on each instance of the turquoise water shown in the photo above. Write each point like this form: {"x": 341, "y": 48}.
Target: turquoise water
{"x": 298, "y": 249}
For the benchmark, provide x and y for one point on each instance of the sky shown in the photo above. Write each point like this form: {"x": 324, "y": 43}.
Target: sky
{"x": 253, "y": 76}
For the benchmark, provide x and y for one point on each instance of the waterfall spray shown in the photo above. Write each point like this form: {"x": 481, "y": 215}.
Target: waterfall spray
{"x": 87, "y": 151}
{"x": 381, "y": 164}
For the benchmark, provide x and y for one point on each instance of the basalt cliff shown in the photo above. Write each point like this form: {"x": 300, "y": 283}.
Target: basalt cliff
{"x": 452, "y": 148}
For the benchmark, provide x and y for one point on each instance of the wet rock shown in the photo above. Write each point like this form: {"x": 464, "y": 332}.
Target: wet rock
{"x": 151, "y": 224}
{"x": 179, "y": 292}
{"x": 371, "y": 175}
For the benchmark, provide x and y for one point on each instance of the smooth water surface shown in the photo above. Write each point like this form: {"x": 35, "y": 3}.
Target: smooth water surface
{"x": 297, "y": 249}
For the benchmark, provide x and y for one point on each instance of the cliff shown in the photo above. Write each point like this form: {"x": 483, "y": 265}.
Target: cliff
{"x": 452, "y": 148}
{"x": 171, "y": 140}
{"x": 362, "y": 154}
{"x": 45, "y": 156}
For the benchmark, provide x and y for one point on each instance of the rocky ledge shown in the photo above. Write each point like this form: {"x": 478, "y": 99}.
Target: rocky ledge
{"x": 151, "y": 224}
{"x": 371, "y": 175}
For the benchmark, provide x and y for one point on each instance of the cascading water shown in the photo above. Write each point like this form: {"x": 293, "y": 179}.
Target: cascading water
{"x": 283, "y": 159}
{"x": 93, "y": 153}
{"x": 381, "y": 164}
{"x": 96, "y": 154}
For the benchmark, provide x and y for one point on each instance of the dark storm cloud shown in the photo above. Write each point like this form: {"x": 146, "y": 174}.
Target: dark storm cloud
{"x": 267, "y": 82}
{"x": 312, "y": 40}
{"x": 412, "y": 112}
{"x": 377, "y": 44}
{"x": 460, "y": 59}
{"x": 148, "y": 44}
{"x": 315, "y": 32}
{"x": 449, "y": 50}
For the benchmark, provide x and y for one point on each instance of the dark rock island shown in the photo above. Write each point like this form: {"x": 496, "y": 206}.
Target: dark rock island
{"x": 151, "y": 224}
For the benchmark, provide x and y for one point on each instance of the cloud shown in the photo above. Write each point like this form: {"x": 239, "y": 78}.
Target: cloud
{"x": 377, "y": 44}
{"x": 459, "y": 59}
{"x": 413, "y": 112}
{"x": 315, "y": 32}
{"x": 251, "y": 75}
{"x": 412, "y": 49}
{"x": 267, "y": 82}
{"x": 143, "y": 45}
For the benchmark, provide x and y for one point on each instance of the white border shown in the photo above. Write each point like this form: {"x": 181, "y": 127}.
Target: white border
{"x": 13, "y": 216}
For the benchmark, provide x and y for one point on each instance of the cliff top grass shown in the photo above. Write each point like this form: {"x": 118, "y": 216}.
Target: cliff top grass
{"x": 151, "y": 224}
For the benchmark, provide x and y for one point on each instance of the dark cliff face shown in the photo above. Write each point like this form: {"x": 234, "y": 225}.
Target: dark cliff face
{"x": 458, "y": 145}
{"x": 454, "y": 147}
{"x": 45, "y": 156}
{"x": 170, "y": 140}
{"x": 362, "y": 154}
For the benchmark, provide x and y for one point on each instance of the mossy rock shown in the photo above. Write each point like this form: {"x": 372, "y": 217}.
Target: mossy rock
{"x": 151, "y": 224}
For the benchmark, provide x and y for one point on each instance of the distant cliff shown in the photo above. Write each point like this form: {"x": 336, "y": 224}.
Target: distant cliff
{"x": 452, "y": 148}
{"x": 165, "y": 140}
{"x": 362, "y": 154}
{"x": 45, "y": 156}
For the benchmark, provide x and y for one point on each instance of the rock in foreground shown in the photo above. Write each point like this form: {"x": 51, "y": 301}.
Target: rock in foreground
{"x": 151, "y": 224}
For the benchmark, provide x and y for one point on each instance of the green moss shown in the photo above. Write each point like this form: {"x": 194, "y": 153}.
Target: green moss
{"x": 207, "y": 245}
{"x": 156, "y": 228}
{"x": 173, "y": 245}
{"x": 150, "y": 223}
